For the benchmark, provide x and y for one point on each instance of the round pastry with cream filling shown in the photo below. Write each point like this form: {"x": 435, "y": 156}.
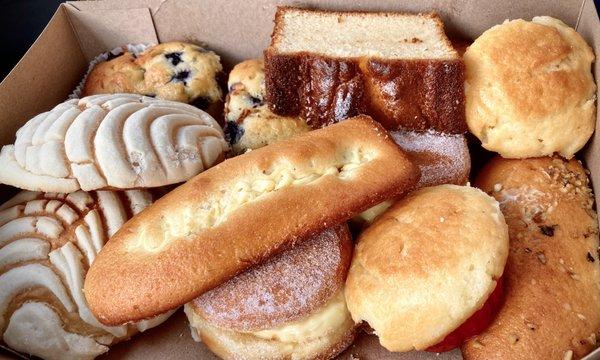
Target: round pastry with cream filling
{"x": 426, "y": 274}
{"x": 291, "y": 307}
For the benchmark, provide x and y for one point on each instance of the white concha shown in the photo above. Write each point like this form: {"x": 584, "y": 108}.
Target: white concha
{"x": 119, "y": 141}
{"x": 47, "y": 243}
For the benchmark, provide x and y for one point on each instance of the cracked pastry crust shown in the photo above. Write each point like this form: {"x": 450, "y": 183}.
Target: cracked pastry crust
{"x": 47, "y": 243}
{"x": 426, "y": 265}
{"x": 171, "y": 71}
{"x": 530, "y": 90}
{"x": 552, "y": 279}
{"x": 120, "y": 141}
{"x": 192, "y": 239}
{"x": 249, "y": 122}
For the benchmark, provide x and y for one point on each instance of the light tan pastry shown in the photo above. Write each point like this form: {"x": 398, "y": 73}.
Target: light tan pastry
{"x": 401, "y": 69}
{"x": 427, "y": 265}
{"x": 441, "y": 159}
{"x": 47, "y": 243}
{"x": 552, "y": 306}
{"x": 291, "y": 307}
{"x": 174, "y": 71}
{"x": 250, "y": 124}
{"x": 120, "y": 141}
{"x": 530, "y": 90}
{"x": 196, "y": 237}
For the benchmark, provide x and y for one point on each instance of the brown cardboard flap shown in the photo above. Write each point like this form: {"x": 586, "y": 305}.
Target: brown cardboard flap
{"x": 44, "y": 77}
{"x": 100, "y": 30}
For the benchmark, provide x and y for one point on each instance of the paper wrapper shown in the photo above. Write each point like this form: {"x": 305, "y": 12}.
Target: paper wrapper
{"x": 135, "y": 49}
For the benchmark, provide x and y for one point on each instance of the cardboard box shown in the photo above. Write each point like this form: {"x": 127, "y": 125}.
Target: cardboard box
{"x": 236, "y": 30}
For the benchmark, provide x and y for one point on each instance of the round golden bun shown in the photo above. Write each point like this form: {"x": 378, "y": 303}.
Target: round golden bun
{"x": 552, "y": 280}
{"x": 287, "y": 288}
{"x": 529, "y": 89}
{"x": 426, "y": 265}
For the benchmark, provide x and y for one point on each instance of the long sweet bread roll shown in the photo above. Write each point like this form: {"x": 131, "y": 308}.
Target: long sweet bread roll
{"x": 120, "y": 141}
{"x": 47, "y": 243}
{"x": 242, "y": 211}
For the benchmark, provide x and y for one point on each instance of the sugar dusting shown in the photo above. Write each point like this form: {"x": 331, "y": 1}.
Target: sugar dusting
{"x": 442, "y": 158}
{"x": 284, "y": 289}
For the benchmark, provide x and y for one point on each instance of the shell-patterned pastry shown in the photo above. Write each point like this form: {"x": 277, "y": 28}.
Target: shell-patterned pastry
{"x": 250, "y": 124}
{"x": 47, "y": 243}
{"x": 120, "y": 141}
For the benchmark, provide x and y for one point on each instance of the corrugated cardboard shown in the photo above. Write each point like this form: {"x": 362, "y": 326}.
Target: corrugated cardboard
{"x": 237, "y": 30}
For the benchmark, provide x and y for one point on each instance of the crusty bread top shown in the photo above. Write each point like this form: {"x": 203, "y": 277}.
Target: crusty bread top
{"x": 196, "y": 237}
{"x": 552, "y": 278}
{"x": 426, "y": 265}
{"x": 287, "y": 288}
{"x": 529, "y": 89}
{"x": 361, "y": 34}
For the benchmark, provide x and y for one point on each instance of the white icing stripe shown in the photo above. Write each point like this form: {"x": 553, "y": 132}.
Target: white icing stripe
{"x": 80, "y": 199}
{"x": 43, "y": 225}
{"x": 35, "y": 206}
{"x": 24, "y": 136}
{"x": 85, "y": 244}
{"x": 11, "y": 214}
{"x": 36, "y": 329}
{"x": 67, "y": 260}
{"x": 138, "y": 200}
{"x": 21, "y": 278}
{"x": 94, "y": 224}
{"x": 113, "y": 211}
{"x": 23, "y": 250}
{"x": 66, "y": 214}
{"x": 20, "y": 198}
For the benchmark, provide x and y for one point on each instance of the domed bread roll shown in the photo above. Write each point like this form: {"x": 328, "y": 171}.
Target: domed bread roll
{"x": 196, "y": 237}
{"x": 529, "y": 89}
{"x": 250, "y": 124}
{"x": 552, "y": 279}
{"x": 47, "y": 243}
{"x": 427, "y": 265}
{"x": 120, "y": 141}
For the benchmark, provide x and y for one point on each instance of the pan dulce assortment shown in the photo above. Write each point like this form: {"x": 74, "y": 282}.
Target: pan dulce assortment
{"x": 335, "y": 198}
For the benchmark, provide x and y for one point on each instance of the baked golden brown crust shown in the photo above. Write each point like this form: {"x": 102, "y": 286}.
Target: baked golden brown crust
{"x": 171, "y": 71}
{"x": 194, "y": 238}
{"x": 401, "y": 94}
{"x": 426, "y": 265}
{"x": 286, "y": 288}
{"x": 530, "y": 91}
{"x": 552, "y": 276}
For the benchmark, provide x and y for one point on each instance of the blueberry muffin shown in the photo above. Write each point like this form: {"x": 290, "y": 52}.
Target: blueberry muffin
{"x": 250, "y": 124}
{"x": 171, "y": 71}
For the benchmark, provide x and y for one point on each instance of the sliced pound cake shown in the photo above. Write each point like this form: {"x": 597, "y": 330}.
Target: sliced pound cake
{"x": 399, "y": 68}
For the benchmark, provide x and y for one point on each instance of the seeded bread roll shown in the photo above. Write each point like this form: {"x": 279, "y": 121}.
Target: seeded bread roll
{"x": 427, "y": 265}
{"x": 292, "y": 306}
{"x": 120, "y": 141}
{"x": 191, "y": 240}
{"x": 530, "y": 90}
{"x": 401, "y": 69}
{"x": 47, "y": 243}
{"x": 552, "y": 306}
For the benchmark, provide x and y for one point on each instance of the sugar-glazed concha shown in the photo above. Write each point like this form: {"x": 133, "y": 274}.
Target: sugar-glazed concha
{"x": 47, "y": 243}
{"x": 120, "y": 141}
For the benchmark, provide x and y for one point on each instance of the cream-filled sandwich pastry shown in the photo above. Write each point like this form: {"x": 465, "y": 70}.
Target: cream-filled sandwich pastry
{"x": 291, "y": 307}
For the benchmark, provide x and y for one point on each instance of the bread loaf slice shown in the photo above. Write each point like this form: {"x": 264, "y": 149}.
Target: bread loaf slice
{"x": 399, "y": 68}
{"x": 241, "y": 212}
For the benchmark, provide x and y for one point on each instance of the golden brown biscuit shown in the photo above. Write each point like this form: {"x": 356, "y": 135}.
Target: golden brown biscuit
{"x": 552, "y": 278}
{"x": 426, "y": 265}
{"x": 529, "y": 89}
